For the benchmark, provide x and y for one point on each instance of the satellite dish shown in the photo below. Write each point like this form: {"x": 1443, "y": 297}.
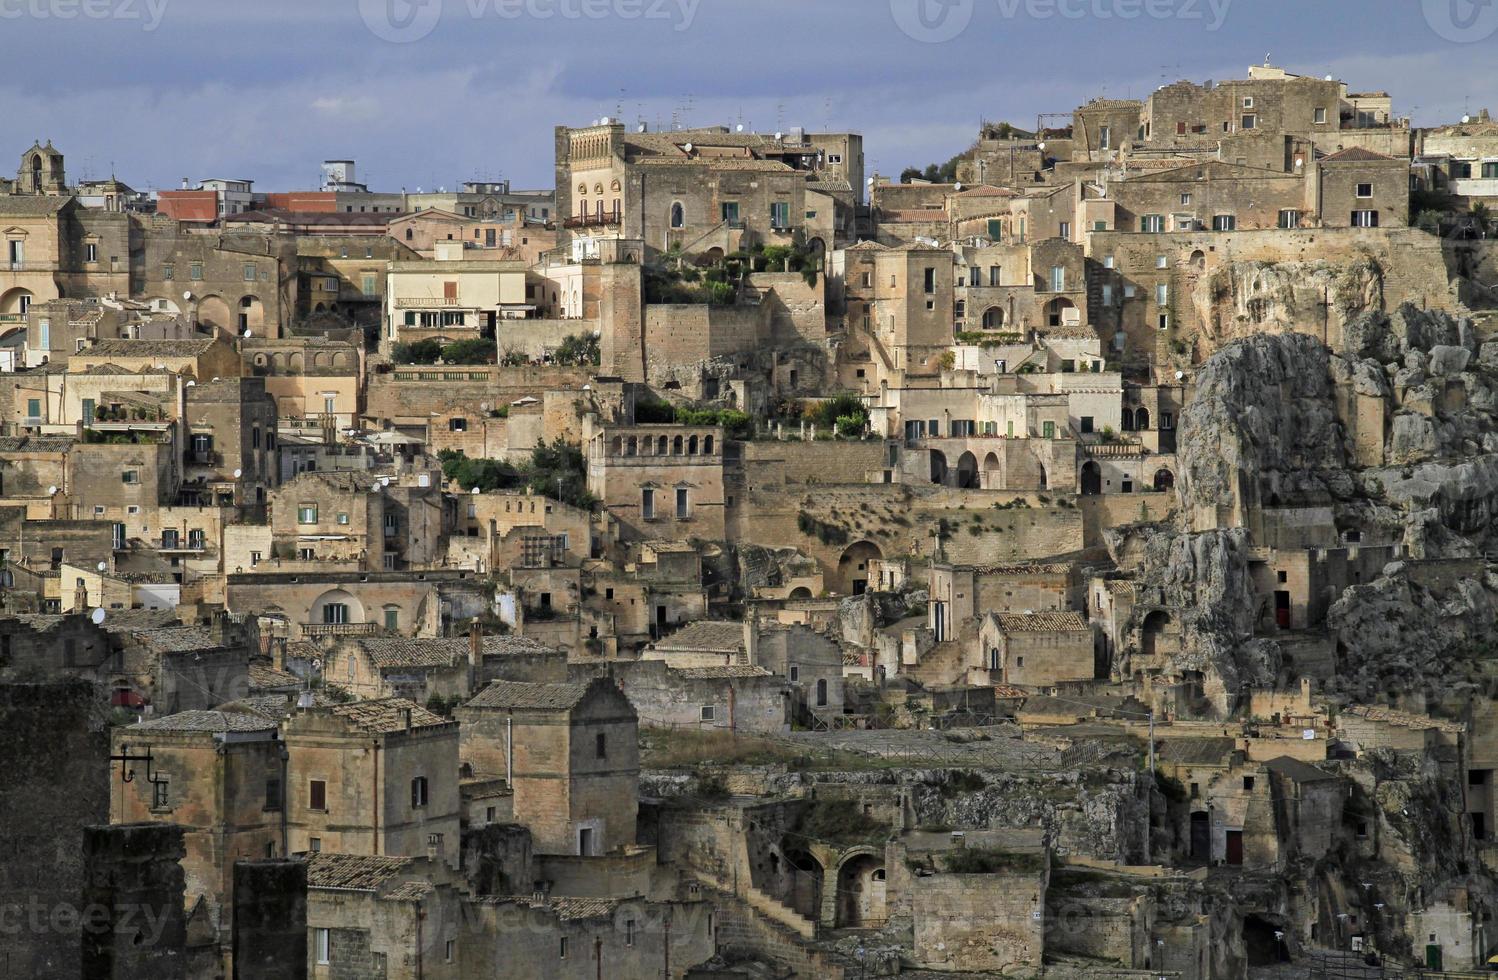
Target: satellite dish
{"x": 1040, "y": 146}
{"x": 103, "y": 566}
{"x": 740, "y": 128}
{"x": 187, "y": 296}
{"x": 1330, "y": 79}
{"x": 97, "y": 616}
{"x": 423, "y": 480}
{"x": 1466, "y": 119}
{"x": 248, "y": 334}
{"x": 688, "y": 147}
{"x": 1180, "y": 375}
{"x": 587, "y": 387}
{"x": 192, "y": 384}
{"x": 384, "y": 481}
{"x": 958, "y": 186}
{"x": 475, "y": 491}
{"x": 642, "y": 128}
{"x": 51, "y": 491}
{"x": 215, "y": 379}
{"x": 238, "y": 474}
{"x": 870, "y": 182}
{"x": 779, "y": 136}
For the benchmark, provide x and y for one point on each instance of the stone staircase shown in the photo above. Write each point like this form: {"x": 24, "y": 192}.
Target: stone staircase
{"x": 755, "y": 926}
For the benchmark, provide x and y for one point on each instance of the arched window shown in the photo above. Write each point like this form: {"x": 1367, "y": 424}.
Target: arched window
{"x": 660, "y": 446}
{"x": 678, "y": 215}
{"x": 692, "y": 446}
{"x": 418, "y": 792}
{"x": 618, "y": 446}
{"x": 632, "y": 447}
{"x": 707, "y": 445}
{"x": 410, "y": 234}
{"x": 676, "y": 446}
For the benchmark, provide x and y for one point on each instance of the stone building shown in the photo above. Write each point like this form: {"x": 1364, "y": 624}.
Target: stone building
{"x": 392, "y": 917}
{"x": 570, "y": 752}
{"x": 1036, "y": 650}
{"x": 373, "y": 778}
{"x": 658, "y": 481}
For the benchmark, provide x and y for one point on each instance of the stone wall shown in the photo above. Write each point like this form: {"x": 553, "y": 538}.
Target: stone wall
{"x": 270, "y": 919}
{"x": 133, "y": 893}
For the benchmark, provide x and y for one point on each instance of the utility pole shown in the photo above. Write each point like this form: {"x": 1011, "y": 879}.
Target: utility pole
{"x": 1152, "y": 741}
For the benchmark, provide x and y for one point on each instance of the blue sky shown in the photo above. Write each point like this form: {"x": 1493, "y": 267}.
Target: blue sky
{"x": 267, "y": 89}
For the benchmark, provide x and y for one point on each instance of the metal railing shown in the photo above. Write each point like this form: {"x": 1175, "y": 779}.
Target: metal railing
{"x": 313, "y": 630}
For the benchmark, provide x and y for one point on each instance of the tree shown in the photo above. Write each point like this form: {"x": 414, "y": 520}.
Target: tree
{"x": 579, "y": 350}
{"x": 421, "y": 352}
{"x": 558, "y": 470}
{"x": 469, "y": 352}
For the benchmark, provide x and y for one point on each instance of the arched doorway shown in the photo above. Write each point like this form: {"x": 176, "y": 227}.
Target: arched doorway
{"x": 993, "y": 318}
{"x": 806, "y": 884}
{"x": 1155, "y": 625}
{"x": 15, "y": 302}
{"x": 861, "y": 894}
{"x": 1044, "y": 485}
{"x": 853, "y": 567}
{"x": 1142, "y": 420}
{"x": 1165, "y": 481}
{"x": 993, "y": 472}
{"x": 1092, "y": 479}
{"x": 1059, "y": 312}
{"x": 967, "y": 472}
{"x": 1198, "y": 261}
{"x": 800, "y": 594}
{"x": 251, "y": 315}
{"x": 938, "y": 466}
{"x": 336, "y": 608}
{"x": 213, "y": 314}
{"x": 1127, "y": 420}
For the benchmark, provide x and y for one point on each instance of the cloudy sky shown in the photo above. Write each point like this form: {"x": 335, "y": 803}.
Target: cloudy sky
{"x": 433, "y": 92}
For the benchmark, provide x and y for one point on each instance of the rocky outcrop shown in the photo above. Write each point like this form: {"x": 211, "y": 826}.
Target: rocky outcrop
{"x": 1242, "y": 299}
{"x": 1262, "y": 429}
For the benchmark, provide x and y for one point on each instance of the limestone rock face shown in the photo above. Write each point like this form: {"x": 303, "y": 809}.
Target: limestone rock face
{"x": 1255, "y": 298}
{"x": 1262, "y": 426}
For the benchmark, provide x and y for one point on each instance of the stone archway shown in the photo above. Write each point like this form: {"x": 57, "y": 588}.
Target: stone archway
{"x": 214, "y": 314}
{"x": 15, "y": 302}
{"x": 1056, "y": 311}
{"x": 1092, "y": 479}
{"x": 861, "y": 891}
{"x": 993, "y": 472}
{"x": 967, "y": 471}
{"x": 1165, "y": 481}
{"x": 1155, "y": 625}
{"x": 853, "y": 567}
{"x": 993, "y": 318}
{"x": 805, "y": 892}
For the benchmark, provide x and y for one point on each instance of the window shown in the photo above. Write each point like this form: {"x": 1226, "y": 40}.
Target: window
{"x": 1185, "y": 199}
{"x": 647, "y": 504}
{"x": 780, "y": 215}
{"x": 90, "y": 253}
{"x": 314, "y": 844}
{"x": 1248, "y": 102}
{"x": 822, "y": 692}
{"x": 159, "y": 793}
{"x": 168, "y": 272}
{"x": 343, "y": 519}
{"x": 929, "y": 281}
{"x": 1105, "y": 138}
{"x": 1320, "y": 115}
{"x": 708, "y": 712}
{"x": 457, "y": 425}
{"x": 995, "y": 229}
{"x": 306, "y": 554}
{"x": 1087, "y": 423}
{"x": 678, "y": 215}
{"x": 1162, "y": 294}
{"x": 1248, "y": 783}
{"x": 418, "y": 792}
{"x": 369, "y": 284}
{"x": 1289, "y": 218}
{"x": 1065, "y": 231}
{"x": 1365, "y": 190}
{"x": 1167, "y": 421}
{"x": 1048, "y": 430}
{"x": 730, "y": 211}
{"x": 1365, "y": 219}
{"x": 562, "y": 949}
{"x": 1224, "y": 222}
{"x": 392, "y": 619}
{"x": 1152, "y": 223}
{"x": 33, "y": 409}
{"x": 683, "y": 510}
{"x": 795, "y": 673}
{"x": 306, "y": 514}
{"x": 273, "y": 794}
{"x": 195, "y": 539}
{"x": 601, "y": 746}
{"x": 317, "y": 795}
{"x": 130, "y": 476}
{"x": 335, "y": 614}
{"x": 320, "y": 940}
{"x": 1058, "y": 279}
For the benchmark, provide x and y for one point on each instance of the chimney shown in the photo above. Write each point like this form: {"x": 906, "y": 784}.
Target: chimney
{"x": 751, "y": 636}
{"x": 406, "y": 712}
{"x": 475, "y": 645}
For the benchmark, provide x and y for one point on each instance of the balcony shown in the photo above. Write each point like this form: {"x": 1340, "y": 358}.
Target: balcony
{"x": 594, "y": 220}
{"x": 315, "y": 630}
{"x": 428, "y": 302}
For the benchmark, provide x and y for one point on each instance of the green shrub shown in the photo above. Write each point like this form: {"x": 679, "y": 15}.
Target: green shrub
{"x": 421, "y": 352}
{"x": 469, "y": 352}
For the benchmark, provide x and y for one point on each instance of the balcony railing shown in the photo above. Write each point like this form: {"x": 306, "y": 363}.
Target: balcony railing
{"x": 340, "y": 629}
{"x": 594, "y": 220}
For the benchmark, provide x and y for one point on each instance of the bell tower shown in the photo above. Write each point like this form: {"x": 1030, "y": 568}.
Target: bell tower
{"x": 42, "y": 171}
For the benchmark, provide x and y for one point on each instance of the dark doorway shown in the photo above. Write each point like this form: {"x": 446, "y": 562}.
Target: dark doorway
{"x": 1201, "y": 836}
{"x": 1282, "y": 610}
{"x": 1092, "y": 480}
{"x": 1235, "y": 847}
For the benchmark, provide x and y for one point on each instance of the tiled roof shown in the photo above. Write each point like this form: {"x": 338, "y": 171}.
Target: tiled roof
{"x": 36, "y": 444}
{"x": 149, "y": 348}
{"x": 386, "y": 715}
{"x": 540, "y": 697}
{"x": 263, "y": 676}
{"x": 1404, "y": 719}
{"x": 358, "y": 872}
{"x": 720, "y": 637}
{"x": 1045, "y": 622}
{"x": 395, "y": 652}
{"x": 207, "y": 721}
{"x": 1025, "y": 568}
{"x": 1300, "y": 772}
{"x": 715, "y": 673}
{"x": 29, "y": 205}
{"x": 565, "y": 909}
{"x": 1354, "y": 154}
{"x": 179, "y": 639}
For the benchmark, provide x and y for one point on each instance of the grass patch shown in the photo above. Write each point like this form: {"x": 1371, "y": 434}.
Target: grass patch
{"x": 840, "y": 822}
{"x": 989, "y": 861}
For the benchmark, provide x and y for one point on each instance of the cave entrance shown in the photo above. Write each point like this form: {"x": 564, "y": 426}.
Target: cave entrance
{"x": 1263, "y": 942}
